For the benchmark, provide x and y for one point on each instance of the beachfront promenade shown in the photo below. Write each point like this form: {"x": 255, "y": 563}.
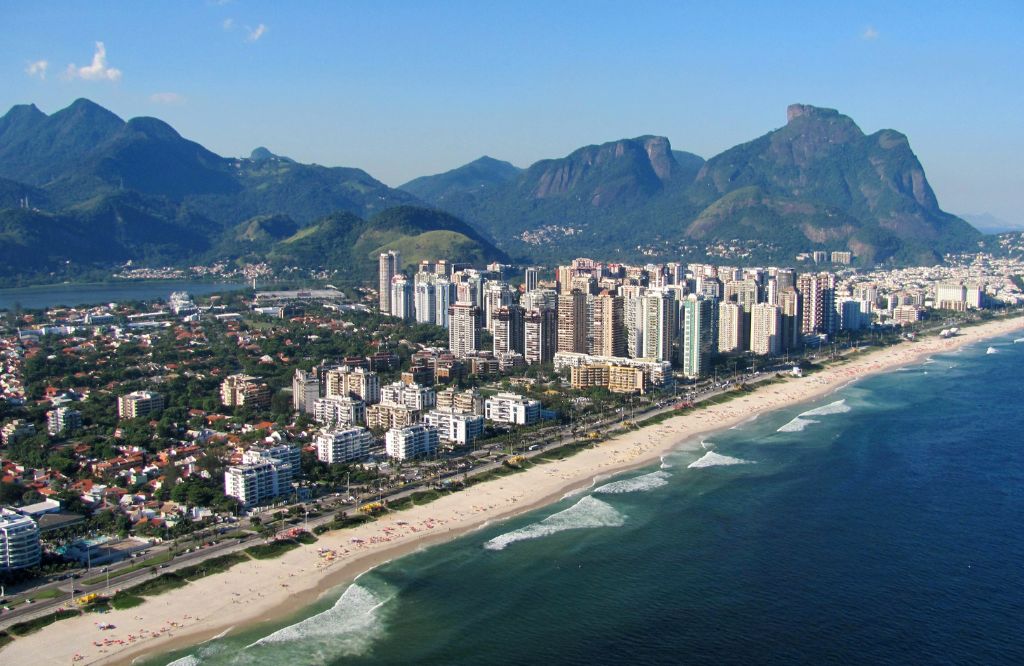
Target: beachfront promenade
{"x": 260, "y": 590}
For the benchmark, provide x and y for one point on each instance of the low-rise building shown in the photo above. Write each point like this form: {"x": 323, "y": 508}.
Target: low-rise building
{"x": 415, "y": 441}
{"x": 266, "y": 473}
{"x": 19, "y": 541}
{"x": 63, "y": 419}
{"x": 339, "y": 446}
{"x": 512, "y": 408}
{"x": 455, "y": 427}
{"x": 245, "y": 391}
{"x": 659, "y": 373}
{"x": 16, "y": 430}
{"x": 139, "y": 404}
{"x": 338, "y": 411}
{"x": 391, "y": 416}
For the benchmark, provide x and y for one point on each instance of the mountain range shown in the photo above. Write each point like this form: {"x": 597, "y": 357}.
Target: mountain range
{"x": 82, "y": 187}
{"x": 818, "y": 182}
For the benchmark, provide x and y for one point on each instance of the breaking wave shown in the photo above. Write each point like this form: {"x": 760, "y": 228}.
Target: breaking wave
{"x": 712, "y": 459}
{"x": 347, "y": 628}
{"x": 636, "y": 484}
{"x": 588, "y": 513}
{"x": 837, "y": 407}
{"x": 797, "y": 425}
{"x": 188, "y": 660}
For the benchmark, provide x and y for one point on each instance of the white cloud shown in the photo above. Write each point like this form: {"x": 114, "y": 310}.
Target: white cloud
{"x": 228, "y": 24}
{"x": 870, "y": 34}
{"x": 256, "y": 33}
{"x": 98, "y": 70}
{"x": 167, "y": 98}
{"x": 37, "y": 68}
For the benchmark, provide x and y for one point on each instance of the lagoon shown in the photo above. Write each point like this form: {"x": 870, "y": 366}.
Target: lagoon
{"x": 76, "y": 294}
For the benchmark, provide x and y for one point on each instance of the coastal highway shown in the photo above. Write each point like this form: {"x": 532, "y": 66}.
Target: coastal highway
{"x": 544, "y": 440}
{"x": 23, "y": 611}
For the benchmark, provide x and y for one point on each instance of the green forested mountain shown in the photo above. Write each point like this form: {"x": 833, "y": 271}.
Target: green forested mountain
{"x": 352, "y": 245}
{"x": 101, "y": 190}
{"x": 85, "y": 151}
{"x": 817, "y": 182}
{"x": 479, "y": 176}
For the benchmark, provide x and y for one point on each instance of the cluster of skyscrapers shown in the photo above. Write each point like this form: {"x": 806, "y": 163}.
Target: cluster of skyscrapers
{"x": 670, "y": 313}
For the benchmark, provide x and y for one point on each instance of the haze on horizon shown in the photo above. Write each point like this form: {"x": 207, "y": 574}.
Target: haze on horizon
{"x": 407, "y": 89}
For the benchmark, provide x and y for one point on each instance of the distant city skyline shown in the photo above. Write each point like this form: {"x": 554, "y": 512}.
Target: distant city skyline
{"x": 403, "y": 90}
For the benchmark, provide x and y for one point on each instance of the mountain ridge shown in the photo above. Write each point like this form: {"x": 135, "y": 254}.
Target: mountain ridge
{"x": 817, "y": 182}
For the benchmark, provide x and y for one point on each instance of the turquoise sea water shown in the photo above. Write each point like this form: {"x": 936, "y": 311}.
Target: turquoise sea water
{"x": 880, "y": 524}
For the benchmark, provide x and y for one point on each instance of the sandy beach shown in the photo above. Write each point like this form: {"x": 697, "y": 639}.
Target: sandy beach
{"x": 259, "y": 591}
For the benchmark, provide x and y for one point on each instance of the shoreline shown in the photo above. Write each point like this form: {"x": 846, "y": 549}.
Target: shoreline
{"x": 262, "y": 591}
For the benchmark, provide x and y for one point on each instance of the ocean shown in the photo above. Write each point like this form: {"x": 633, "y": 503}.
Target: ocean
{"x": 881, "y": 524}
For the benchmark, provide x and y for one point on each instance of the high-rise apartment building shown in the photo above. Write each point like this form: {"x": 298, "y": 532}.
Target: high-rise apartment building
{"x": 497, "y": 295}
{"x": 305, "y": 390}
{"x": 531, "y": 277}
{"x": 389, "y": 266}
{"x": 817, "y": 296}
{"x": 540, "y": 299}
{"x": 508, "y": 330}
{"x": 659, "y": 325}
{"x": 540, "y": 335}
{"x": 732, "y": 323}
{"x": 572, "y": 322}
{"x": 791, "y": 319}
{"x": 463, "y": 329}
{"x": 444, "y": 292}
{"x": 607, "y": 327}
{"x": 696, "y": 336}
{"x": 425, "y": 298}
{"x": 765, "y": 329}
{"x": 402, "y": 305}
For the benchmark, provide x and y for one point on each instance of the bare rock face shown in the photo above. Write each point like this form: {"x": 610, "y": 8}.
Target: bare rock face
{"x": 794, "y": 111}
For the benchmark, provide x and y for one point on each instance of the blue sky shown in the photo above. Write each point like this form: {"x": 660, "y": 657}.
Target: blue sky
{"x": 403, "y": 89}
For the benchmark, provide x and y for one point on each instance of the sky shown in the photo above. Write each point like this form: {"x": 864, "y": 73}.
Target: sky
{"x": 404, "y": 89}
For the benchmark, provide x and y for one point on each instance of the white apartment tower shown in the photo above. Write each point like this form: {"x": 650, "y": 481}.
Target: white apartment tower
{"x": 463, "y": 329}
{"x": 765, "y": 329}
{"x": 390, "y": 264}
{"x": 731, "y": 327}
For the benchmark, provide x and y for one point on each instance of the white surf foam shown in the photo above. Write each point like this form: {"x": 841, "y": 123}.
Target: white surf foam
{"x": 797, "y": 425}
{"x": 187, "y": 660}
{"x": 712, "y": 459}
{"x": 837, "y": 407}
{"x": 665, "y": 464}
{"x": 588, "y": 513}
{"x": 347, "y": 628}
{"x": 1018, "y": 340}
{"x": 636, "y": 484}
